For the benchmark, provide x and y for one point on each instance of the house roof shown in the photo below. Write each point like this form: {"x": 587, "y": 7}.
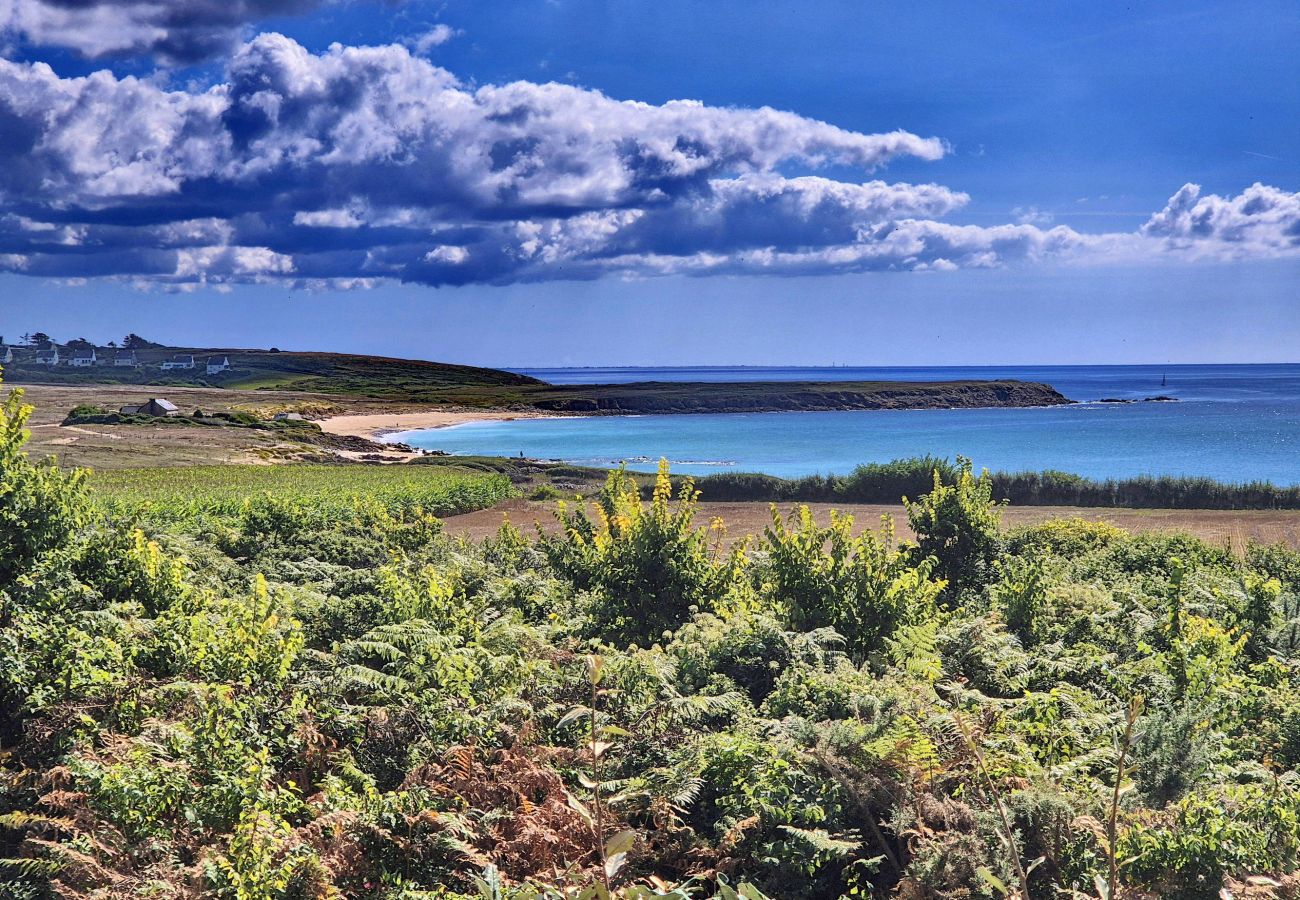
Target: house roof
{"x": 161, "y": 403}
{"x": 46, "y": 354}
{"x": 84, "y": 354}
{"x": 124, "y": 354}
{"x": 183, "y": 357}
{"x": 218, "y": 360}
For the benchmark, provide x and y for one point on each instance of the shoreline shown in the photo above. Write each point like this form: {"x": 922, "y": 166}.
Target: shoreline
{"x": 379, "y": 426}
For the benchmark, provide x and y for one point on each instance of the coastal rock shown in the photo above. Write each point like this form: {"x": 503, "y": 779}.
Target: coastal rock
{"x": 649, "y": 398}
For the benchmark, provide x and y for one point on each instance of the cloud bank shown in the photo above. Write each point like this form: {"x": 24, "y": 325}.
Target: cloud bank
{"x": 182, "y": 31}
{"x": 371, "y": 163}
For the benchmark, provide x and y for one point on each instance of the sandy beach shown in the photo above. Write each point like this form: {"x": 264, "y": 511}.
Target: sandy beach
{"x": 377, "y": 425}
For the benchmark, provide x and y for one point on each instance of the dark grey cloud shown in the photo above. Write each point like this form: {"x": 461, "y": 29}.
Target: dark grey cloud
{"x": 181, "y": 31}
{"x": 372, "y": 163}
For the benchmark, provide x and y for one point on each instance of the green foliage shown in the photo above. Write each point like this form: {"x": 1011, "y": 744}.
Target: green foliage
{"x": 1063, "y": 537}
{"x": 1215, "y": 832}
{"x": 749, "y": 649}
{"x": 1022, "y": 592}
{"x": 649, "y": 567}
{"x": 957, "y": 525}
{"x": 771, "y": 808}
{"x": 887, "y": 482}
{"x": 40, "y": 506}
{"x": 862, "y": 587}
{"x": 180, "y": 494}
{"x": 295, "y": 685}
{"x": 1171, "y": 754}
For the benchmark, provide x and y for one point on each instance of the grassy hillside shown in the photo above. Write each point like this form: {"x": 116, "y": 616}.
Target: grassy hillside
{"x": 441, "y": 384}
{"x": 332, "y": 373}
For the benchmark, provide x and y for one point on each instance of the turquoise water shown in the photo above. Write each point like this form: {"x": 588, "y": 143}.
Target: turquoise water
{"x": 1233, "y": 423}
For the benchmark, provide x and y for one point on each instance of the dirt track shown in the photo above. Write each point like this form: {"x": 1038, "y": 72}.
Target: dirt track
{"x": 1223, "y": 527}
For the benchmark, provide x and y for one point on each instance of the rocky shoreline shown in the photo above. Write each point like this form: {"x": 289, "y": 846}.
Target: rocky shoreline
{"x": 651, "y": 398}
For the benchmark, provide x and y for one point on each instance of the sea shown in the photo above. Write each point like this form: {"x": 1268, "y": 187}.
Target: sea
{"x": 1233, "y": 423}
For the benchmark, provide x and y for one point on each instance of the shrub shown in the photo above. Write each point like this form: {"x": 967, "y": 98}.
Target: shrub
{"x": 649, "y": 567}
{"x": 863, "y": 587}
{"x": 751, "y": 650}
{"x": 1063, "y": 537}
{"x": 40, "y": 505}
{"x": 1214, "y": 832}
{"x": 957, "y": 525}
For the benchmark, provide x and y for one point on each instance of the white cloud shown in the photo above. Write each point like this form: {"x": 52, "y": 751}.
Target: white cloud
{"x": 445, "y": 253}
{"x": 435, "y": 37}
{"x": 1032, "y": 215}
{"x": 329, "y": 218}
{"x": 362, "y": 164}
{"x": 1260, "y": 221}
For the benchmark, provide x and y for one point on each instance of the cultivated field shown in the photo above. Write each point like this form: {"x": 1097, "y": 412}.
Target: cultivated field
{"x": 1224, "y": 528}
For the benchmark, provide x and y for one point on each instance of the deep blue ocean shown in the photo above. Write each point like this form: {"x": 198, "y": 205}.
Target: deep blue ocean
{"x": 1232, "y": 423}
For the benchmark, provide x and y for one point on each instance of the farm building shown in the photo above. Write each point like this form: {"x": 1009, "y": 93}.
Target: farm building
{"x": 180, "y": 361}
{"x": 218, "y": 364}
{"x": 156, "y": 406}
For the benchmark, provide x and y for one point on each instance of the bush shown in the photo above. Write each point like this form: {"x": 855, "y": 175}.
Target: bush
{"x": 957, "y": 526}
{"x": 1214, "y": 832}
{"x": 650, "y": 569}
{"x": 862, "y": 587}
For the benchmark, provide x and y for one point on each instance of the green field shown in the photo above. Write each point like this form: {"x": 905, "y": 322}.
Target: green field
{"x": 417, "y": 382}
{"x": 333, "y": 373}
{"x": 176, "y": 493}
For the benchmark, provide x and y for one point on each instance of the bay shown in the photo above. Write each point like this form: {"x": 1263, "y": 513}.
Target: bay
{"x": 1231, "y": 422}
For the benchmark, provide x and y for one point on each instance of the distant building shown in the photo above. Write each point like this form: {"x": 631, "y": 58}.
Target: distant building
{"x": 180, "y": 361}
{"x": 154, "y": 407}
{"x": 125, "y": 359}
{"x": 288, "y": 417}
{"x": 6, "y": 353}
{"x": 218, "y": 364}
{"x": 48, "y": 357}
{"x": 83, "y": 357}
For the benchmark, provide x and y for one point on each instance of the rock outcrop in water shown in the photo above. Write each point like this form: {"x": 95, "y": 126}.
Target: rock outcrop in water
{"x": 648, "y": 398}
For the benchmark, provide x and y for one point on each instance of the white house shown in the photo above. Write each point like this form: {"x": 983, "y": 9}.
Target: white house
{"x": 6, "y": 353}
{"x": 180, "y": 361}
{"x": 48, "y": 357}
{"x": 83, "y": 358}
{"x": 218, "y": 364}
{"x": 125, "y": 358}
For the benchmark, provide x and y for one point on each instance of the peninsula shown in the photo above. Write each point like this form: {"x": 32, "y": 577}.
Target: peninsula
{"x": 434, "y": 385}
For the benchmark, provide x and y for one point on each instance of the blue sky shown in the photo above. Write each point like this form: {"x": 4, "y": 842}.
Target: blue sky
{"x": 949, "y": 183}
